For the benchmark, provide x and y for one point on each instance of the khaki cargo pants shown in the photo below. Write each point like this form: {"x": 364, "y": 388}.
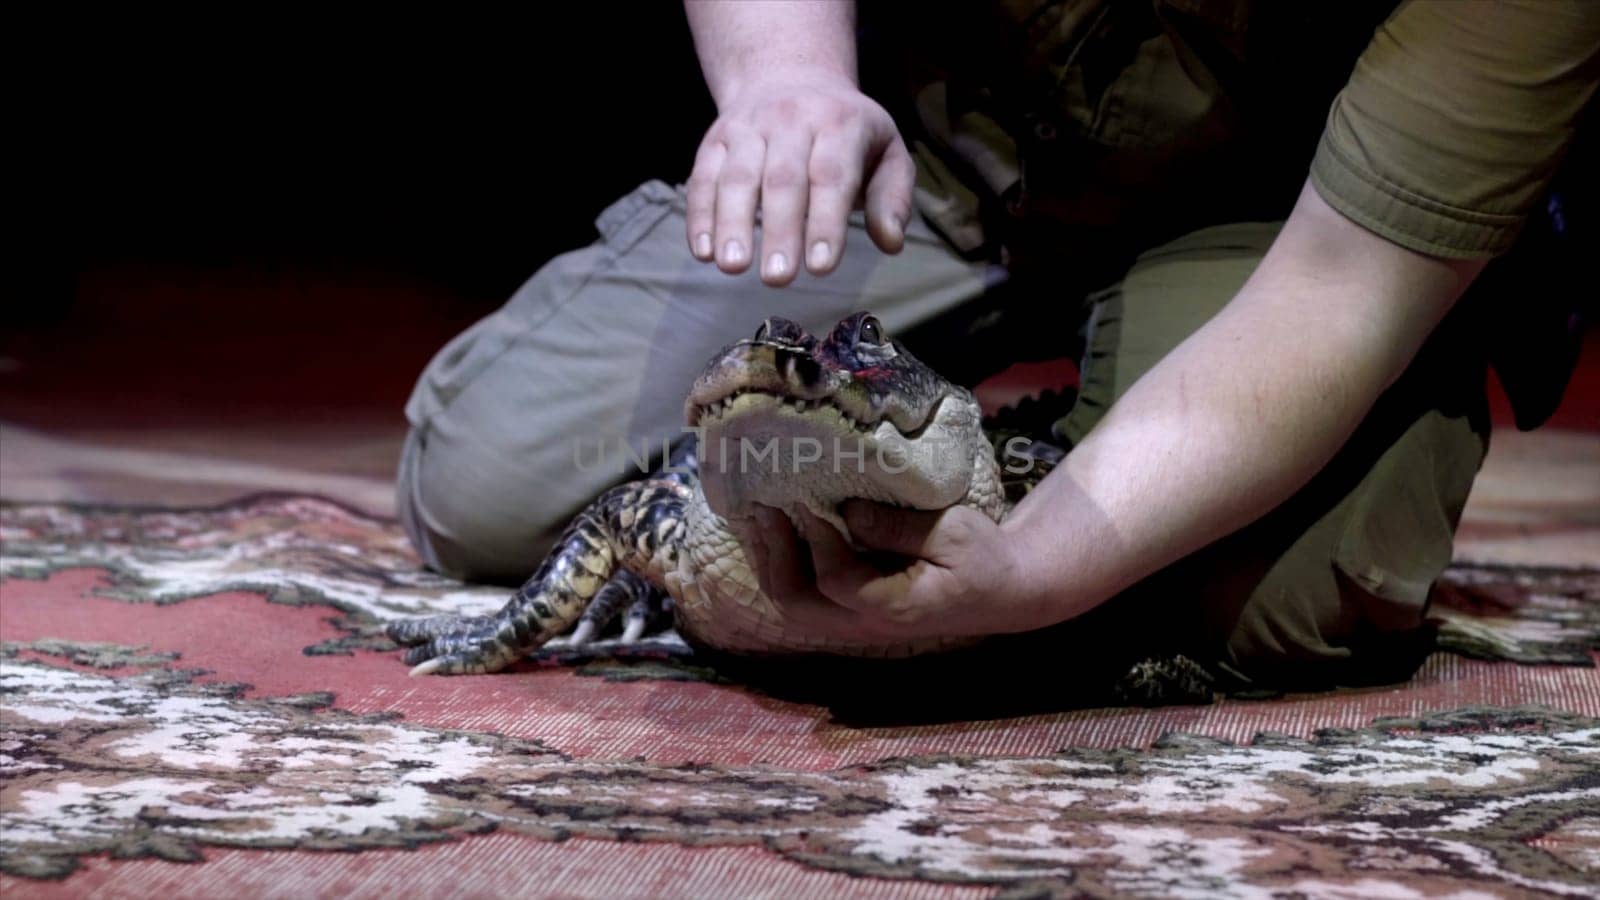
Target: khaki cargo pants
{"x": 603, "y": 343}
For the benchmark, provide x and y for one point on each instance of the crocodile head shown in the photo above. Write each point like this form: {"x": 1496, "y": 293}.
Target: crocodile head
{"x": 787, "y": 420}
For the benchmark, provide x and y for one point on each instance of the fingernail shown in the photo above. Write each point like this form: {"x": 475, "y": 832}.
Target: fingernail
{"x": 702, "y": 245}
{"x": 733, "y": 253}
{"x": 820, "y": 254}
{"x": 777, "y": 265}
{"x": 897, "y": 228}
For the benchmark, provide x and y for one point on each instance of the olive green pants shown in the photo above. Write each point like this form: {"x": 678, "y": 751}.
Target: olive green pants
{"x": 603, "y": 343}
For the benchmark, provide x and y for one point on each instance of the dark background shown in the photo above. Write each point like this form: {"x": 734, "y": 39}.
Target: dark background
{"x": 294, "y": 210}
{"x": 259, "y": 215}
{"x": 465, "y": 150}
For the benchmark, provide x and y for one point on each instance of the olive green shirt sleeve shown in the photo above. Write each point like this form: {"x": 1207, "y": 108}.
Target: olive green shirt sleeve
{"x": 1456, "y": 118}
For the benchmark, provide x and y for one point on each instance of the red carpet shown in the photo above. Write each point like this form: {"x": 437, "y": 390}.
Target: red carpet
{"x": 196, "y": 705}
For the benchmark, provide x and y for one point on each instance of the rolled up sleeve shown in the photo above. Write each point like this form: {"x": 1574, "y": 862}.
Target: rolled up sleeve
{"x": 1456, "y": 118}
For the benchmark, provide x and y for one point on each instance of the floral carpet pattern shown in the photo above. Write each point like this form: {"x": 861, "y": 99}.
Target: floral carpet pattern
{"x": 181, "y": 687}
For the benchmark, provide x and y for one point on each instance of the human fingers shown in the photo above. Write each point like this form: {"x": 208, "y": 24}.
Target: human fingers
{"x": 896, "y": 530}
{"x": 738, "y": 193}
{"x": 888, "y": 197}
{"x": 834, "y": 171}
{"x": 701, "y": 211}
{"x": 840, "y": 573}
{"x": 784, "y": 564}
{"x": 783, "y": 204}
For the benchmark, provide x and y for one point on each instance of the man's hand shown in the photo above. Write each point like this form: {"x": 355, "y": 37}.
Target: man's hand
{"x": 799, "y": 147}
{"x": 960, "y": 575}
{"x": 795, "y": 142}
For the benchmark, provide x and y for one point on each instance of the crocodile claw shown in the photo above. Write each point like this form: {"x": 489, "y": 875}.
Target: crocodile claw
{"x": 453, "y": 664}
{"x": 455, "y": 645}
{"x": 634, "y": 629}
{"x": 583, "y": 634}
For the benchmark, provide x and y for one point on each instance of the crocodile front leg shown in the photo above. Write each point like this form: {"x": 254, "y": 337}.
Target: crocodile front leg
{"x": 628, "y": 595}
{"x": 635, "y": 526}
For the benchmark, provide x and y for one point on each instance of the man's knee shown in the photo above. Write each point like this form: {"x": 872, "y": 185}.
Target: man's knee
{"x": 1346, "y": 599}
{"x": 1323, "y": 630}
{"x": 462, "y": 520}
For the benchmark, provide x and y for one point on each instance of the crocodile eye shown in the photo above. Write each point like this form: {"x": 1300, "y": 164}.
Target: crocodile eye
{"x": 871, "y": 332}
{"x": 761, "y": 331}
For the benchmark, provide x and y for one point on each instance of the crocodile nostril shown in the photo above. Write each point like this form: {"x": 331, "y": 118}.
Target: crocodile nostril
{"x": 805, "y": 370}
{"x": 781, "y": 330}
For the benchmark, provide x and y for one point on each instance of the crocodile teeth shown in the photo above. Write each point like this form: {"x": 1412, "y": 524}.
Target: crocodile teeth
{"x": 717, "y": 408}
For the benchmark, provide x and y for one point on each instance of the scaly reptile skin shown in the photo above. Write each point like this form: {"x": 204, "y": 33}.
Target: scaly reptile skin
{"x": 786, "y": 420}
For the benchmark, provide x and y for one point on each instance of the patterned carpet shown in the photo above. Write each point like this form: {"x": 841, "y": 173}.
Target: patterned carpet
{"x": 196, "y": 703}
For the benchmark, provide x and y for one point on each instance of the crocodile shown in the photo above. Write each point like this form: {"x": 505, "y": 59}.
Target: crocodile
{"x": 786, "y": 420}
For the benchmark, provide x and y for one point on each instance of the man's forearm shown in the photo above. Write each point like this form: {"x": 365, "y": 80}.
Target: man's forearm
{"x": 737, "y": 40}
{"x": 1243, "y": 413}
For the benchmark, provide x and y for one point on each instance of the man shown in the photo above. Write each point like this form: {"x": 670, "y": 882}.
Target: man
{"x": 1278, "y": 425}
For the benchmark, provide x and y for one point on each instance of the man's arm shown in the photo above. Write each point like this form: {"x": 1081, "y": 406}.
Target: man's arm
{"x": 738, "y": 42}
{"x": 1225, "y": 428}
{"x": 1243, "y": 413}
{"x": 794, "y": 138}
